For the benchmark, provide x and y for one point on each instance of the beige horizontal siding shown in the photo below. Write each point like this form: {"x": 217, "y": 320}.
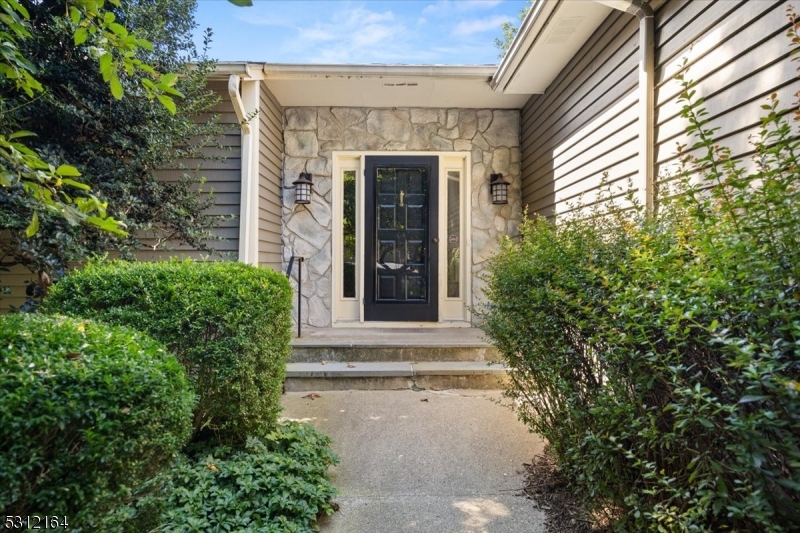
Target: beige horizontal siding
{"x": 737, "y": 53}
{"x": 223, "y": 180}
{"x": 586, "y": 123}
{"x": 222, "y": 177}
{"x": 270, "y": 161}
{"x": 16, "y": 279}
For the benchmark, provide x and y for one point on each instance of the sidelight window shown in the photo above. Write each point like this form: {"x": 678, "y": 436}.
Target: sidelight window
{"x": 349, "y": 234}
{"x": 453, "y": 234}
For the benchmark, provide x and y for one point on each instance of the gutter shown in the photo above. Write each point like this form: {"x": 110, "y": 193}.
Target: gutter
{"x": 642, "y": 10}
{"x": 298, "y": 71}
{"x": 240, "y": 68}
{"x": 238, "y": 106}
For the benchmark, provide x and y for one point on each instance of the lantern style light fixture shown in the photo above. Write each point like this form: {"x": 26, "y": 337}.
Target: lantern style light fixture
{"x": 499, "y": 189}
{"x": 302, "y": 189}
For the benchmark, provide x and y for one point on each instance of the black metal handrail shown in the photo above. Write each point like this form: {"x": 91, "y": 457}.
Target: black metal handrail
{"x": 299, "y": 286}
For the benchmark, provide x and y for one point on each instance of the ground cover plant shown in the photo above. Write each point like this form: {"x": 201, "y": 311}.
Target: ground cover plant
{"x": 272, "y": 485}
{"x": 660, "y": 354}
{"x": 228, "y": 324}
{"x": 87, "y": 412}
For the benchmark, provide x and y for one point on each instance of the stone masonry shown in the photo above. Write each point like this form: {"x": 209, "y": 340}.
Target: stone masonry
{"x": 311, "y": 134}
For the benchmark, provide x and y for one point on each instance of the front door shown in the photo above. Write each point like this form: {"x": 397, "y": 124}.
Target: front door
{"x": 401, "y": 245}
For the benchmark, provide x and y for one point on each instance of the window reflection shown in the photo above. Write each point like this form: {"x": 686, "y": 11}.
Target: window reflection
{"x": 349, "y": 235}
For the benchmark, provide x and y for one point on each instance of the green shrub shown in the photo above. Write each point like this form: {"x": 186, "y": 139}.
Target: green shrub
{"x": 660, "y": 355}
{"x": 87, "y": 411}
{"x": 274, "y": 485}
{"x": 228, "y": 323}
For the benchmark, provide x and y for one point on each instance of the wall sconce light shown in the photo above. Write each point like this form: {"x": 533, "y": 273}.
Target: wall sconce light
{"x": 499, "y": 189}
{"x": 302, "y": 191}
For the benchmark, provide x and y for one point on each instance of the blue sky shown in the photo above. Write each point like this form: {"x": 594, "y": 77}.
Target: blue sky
{"x": 450, "y": 32}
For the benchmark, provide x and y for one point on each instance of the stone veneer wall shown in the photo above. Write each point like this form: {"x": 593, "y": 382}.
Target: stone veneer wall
{"x": 311, "y": 134}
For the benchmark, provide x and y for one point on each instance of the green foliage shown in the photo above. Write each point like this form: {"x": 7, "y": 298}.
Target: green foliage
{"x": 274, "y": 485}
{"x": 25, "y": 171}
{"x": 660, "y": 355}
{"x": 116, "y": 145}
{"x": 510, "y": 31}
{"x": 228, "y": 323}
{"x": 87, "y": 412}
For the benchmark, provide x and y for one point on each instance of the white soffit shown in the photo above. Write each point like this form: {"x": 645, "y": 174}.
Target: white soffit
{"x": 551, "y": 34}
{"x": 387, "y": 86}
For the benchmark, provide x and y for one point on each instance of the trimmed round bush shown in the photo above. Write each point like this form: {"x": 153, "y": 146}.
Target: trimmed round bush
{"x": 87, "y": 412}
{"x": 228, "y": 324}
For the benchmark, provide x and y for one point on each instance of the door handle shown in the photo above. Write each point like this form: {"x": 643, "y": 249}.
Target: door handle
{"x": 436, "y": 240}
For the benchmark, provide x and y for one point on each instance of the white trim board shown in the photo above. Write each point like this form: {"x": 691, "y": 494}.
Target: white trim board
{"x": 349, "y": 312}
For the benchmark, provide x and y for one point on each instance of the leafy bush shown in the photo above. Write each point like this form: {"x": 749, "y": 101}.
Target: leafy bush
{"x": 87, "y": 411}
{"x": 274, "y": 485}
{"x": 660, "y": 355}
{"x": 228, "y": 323}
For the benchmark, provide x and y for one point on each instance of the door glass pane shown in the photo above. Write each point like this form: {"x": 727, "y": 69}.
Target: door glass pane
{"x": 453, "y": 234}
{"x": 349, "y": 235}
{"x": 402, "y": 234}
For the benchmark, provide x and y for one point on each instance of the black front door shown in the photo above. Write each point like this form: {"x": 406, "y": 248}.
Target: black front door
{"x": 401, "y": 274}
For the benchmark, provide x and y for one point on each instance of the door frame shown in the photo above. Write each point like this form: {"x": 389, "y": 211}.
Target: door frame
{"x": 452, "y": 313}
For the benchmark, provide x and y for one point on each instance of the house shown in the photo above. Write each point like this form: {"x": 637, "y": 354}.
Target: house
{"x": 401, "y": 220}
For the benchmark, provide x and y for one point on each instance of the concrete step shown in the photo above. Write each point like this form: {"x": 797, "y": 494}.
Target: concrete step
{"x": 392, "y": 344}
{"x": 395, "y": 375}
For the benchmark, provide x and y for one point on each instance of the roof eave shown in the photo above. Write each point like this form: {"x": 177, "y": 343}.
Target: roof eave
{"x": 551, "y": 35}
{"x": 526, "y": 36}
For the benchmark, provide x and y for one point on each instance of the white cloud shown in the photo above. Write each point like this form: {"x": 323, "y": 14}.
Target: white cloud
{"x": 482, "y": 4}
{"x": 261, "y": 14}
{"x": 451, "y": 6}
{"x": 352, "y": 34}
{"x": 259, "y": 20}
{"x": 374, "y": 34}
{"x": 315, "y": 34}
{"x": 361, "y": 16}
{"x": 471, "y": 27}
{"x": 431, "y": 9}
{"x": 372, "y": 44}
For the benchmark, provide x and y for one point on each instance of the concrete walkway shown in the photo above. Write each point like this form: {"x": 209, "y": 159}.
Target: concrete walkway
{"x": 423, "y": 461}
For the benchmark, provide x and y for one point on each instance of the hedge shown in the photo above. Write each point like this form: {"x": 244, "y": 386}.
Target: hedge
{"x": 228, "y": 324}
{"x": 87, "y": 412}
{"x": 659, "y": 354}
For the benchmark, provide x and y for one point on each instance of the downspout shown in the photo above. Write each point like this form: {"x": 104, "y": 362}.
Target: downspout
{"x": 248, "y": 183}
{"x": 644, "y": 13}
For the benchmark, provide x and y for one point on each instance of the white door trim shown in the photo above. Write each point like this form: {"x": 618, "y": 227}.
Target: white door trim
{"x": 349, "y": 312}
